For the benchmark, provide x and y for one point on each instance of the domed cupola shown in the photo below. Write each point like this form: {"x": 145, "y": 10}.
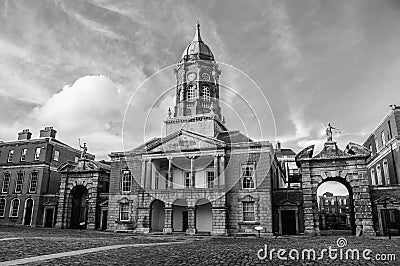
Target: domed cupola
{"x": 197, "y": 49}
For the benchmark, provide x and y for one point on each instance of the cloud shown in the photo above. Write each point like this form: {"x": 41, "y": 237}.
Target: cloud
{"x": 283, "y": 34}
{"x": 90, "y": 108}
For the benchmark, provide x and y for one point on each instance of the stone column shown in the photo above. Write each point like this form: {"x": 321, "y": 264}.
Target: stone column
{"x": 191, "y": 221}
{"x": 168, "y": 218}
{"x": 221, "y": 178}
{"x": 297, "y": 221}
{"x": 169, "y": 180}
{"x": 148, "y": 174}
{"x": 143, "y": 175}
{"x": 219, "y": 221}
{"x": 191, "y": 171}
{"x": 216, "y": 179}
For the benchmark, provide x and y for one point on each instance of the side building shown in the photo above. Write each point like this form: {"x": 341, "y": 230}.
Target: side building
{"x": 384, "y": 172}
{"x": 29, "y": 181}
{"x": 287, "y": 198}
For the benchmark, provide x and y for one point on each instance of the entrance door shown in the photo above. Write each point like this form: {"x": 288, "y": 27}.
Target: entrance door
{"x": 288, "y": 222}
{"x": 185, "y": 221}
{"x": 49, "y": 218}
{"x": 79, "y": 206}
{"x": 104, "y": 220}
{"x": 28, "y": 212}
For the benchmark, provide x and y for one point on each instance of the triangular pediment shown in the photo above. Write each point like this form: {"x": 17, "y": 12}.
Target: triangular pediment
{"x": 185, "y": 140}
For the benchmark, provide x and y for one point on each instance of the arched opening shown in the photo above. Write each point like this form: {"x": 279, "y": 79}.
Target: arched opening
{"x": 180, "y": 218}
{"x": 157, "y": 216}
{"x": 28, "y": 212}
{"x": 203, "y": 216}
{"x": 79, "y": 196}
{"x": 335, "y": 206}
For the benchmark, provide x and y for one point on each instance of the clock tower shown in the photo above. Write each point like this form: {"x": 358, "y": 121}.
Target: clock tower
{"x": 197, "y": 106}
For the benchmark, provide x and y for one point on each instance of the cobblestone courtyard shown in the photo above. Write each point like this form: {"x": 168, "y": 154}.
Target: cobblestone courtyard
{"x": 30, "y": 246}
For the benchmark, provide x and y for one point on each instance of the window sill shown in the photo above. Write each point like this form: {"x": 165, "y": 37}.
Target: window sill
{"x": 249, "y": 223}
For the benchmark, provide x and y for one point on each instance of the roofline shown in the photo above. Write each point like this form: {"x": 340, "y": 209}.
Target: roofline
{"x": 388, "y": 114}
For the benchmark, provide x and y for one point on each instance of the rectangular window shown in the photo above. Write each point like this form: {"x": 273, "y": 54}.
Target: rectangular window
{"x": 373, "y": 180}
{"x": 14, "y": 208}
{"x": 56, "y": 155}
{"x": 6, "y": 182}
{"x": 76, "y": 159}
{"x": 2, "y": 207}
{"x": 187, "y": 180}
{"x": 379, "y": 174}
{"x": 383, "y": 138}
{"x": 10, "y": 156}
{"x": 210, "y": 179}
{"x": 248, "y": 176}
{"x": 23, "y": 155}
{"x": 33, "y": 182}
{"x": 37, "y": 153}
{"x": 19, "y": 182}
{"x": 126, "y": 181}
{"x": 124, "y": 211}
{"x": 248, "y": 211}
{"x": 386, "y": 172}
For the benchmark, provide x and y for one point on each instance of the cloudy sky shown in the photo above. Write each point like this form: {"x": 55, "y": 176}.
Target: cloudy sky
{"x": 75, "y": 65}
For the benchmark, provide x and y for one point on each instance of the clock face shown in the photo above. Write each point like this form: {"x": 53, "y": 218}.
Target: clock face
{"x": 205, "y": 77}
{"x": 191, "y": 76}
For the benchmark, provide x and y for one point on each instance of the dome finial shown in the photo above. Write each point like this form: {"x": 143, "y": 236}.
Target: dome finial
{"x": 197, "y": 37}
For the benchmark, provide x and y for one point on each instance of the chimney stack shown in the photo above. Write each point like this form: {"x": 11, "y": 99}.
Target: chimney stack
{"x": 24, "y": 135}
{"x": 278, "y": 146}
{"x": 48, "y": 132}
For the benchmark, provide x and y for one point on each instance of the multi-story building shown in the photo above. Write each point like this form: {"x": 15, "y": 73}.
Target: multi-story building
{"x": 384, "y": 172}
{"x": 29, "y": 181}
{"x": 334, "y": 211}
{"x": 201, "y": 177}
{"x": 287, "y": 195}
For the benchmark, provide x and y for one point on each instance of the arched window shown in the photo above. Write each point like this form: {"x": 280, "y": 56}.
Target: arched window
{"x": 386, "y": 172}
{"x": 206, "y": 93}
{"x": 2, "y": 207}
{"x": 14, "y": 209}
{"x": 6, "y": 182}
{"x": 373, "y": 180}
{"x": 191, "y": 93}
{"x": 379, "y": 174}
{"x": 126, "y": 181}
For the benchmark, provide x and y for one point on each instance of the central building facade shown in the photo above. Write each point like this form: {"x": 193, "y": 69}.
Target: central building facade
{"x": 200, "y": 177}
